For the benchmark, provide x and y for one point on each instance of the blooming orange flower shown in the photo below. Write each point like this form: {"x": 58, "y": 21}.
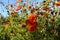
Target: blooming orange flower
{"x": 6, "y": 26}
{"x": 45, "y": 8}
{"x": 31, "y": 18}
{"x": 31, "y": 28}
{"x": 32, "y": 10}
{"x": 31, "y": 21}
{"x": 14, "y": 13}
{"x": 18, "y": 8}
{"x": 57, "y": 3}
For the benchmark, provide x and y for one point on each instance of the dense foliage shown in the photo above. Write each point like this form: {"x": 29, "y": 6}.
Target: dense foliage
{"x": 40, "y": 22}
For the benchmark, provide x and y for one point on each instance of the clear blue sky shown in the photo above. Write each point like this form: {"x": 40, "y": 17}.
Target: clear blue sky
{"x": 3, "y": 9}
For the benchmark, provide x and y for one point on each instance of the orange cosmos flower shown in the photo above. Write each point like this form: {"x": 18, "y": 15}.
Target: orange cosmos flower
{"x": 18, "y": 8}
{"x": 31, "y": 21}
{"x": 57, "y": 3}
{"x": 6, "y": 26}
{"x": 32, "y": 10}
{"x": 32, "y": 28}
{"x": 31, "y": 18}
{"x": 14, "y": 13}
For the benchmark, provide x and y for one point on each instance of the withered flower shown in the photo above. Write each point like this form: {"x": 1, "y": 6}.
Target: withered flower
{"x": 29, "y": 7}
{"x": 52, "y": 21}
{"x": 6, "y": 19}
{"x": 24, "y": 25}
{"x": 46, "y": 8}
{"x": 24, "y": 10}
{"x": 32, "y": 10}
{"x": 14, "y": 13}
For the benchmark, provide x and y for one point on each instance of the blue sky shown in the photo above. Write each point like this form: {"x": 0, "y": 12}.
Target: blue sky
{"x": 3, "y": 9}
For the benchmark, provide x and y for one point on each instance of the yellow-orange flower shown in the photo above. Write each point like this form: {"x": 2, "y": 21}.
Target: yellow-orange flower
{"x": 6, "y": 26}
{"x": 49, "y": 0}
{"x": 32, "y": 16}
{"x": 6, "y": 19}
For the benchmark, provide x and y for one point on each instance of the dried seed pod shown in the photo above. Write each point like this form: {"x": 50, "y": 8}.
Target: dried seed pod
{"x": 41, "y": 13}
{"x": 24, "y": 10}
{"x": 46, "y": 8}
{"x": 20, "y": 19}
{"x": 24, "y": 25}
{"x": 36, "y": 9}
{"x": 58, "y": 0}
{"x": 44, "y": 1}
{"x": 59, "y": 25}
{"x": 7, "y": 19}
{"x": 29, "y": 7}
{"x": 52, "y": 12}
{"x": 52, "y": 21}
{"x": 32, "y": 10}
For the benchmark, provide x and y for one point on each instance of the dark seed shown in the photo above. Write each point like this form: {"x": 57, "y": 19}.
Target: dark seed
{"x": 44, "y": 1}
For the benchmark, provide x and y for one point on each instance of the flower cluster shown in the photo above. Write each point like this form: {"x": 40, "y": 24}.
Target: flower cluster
{"x": 31, "y": 21}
